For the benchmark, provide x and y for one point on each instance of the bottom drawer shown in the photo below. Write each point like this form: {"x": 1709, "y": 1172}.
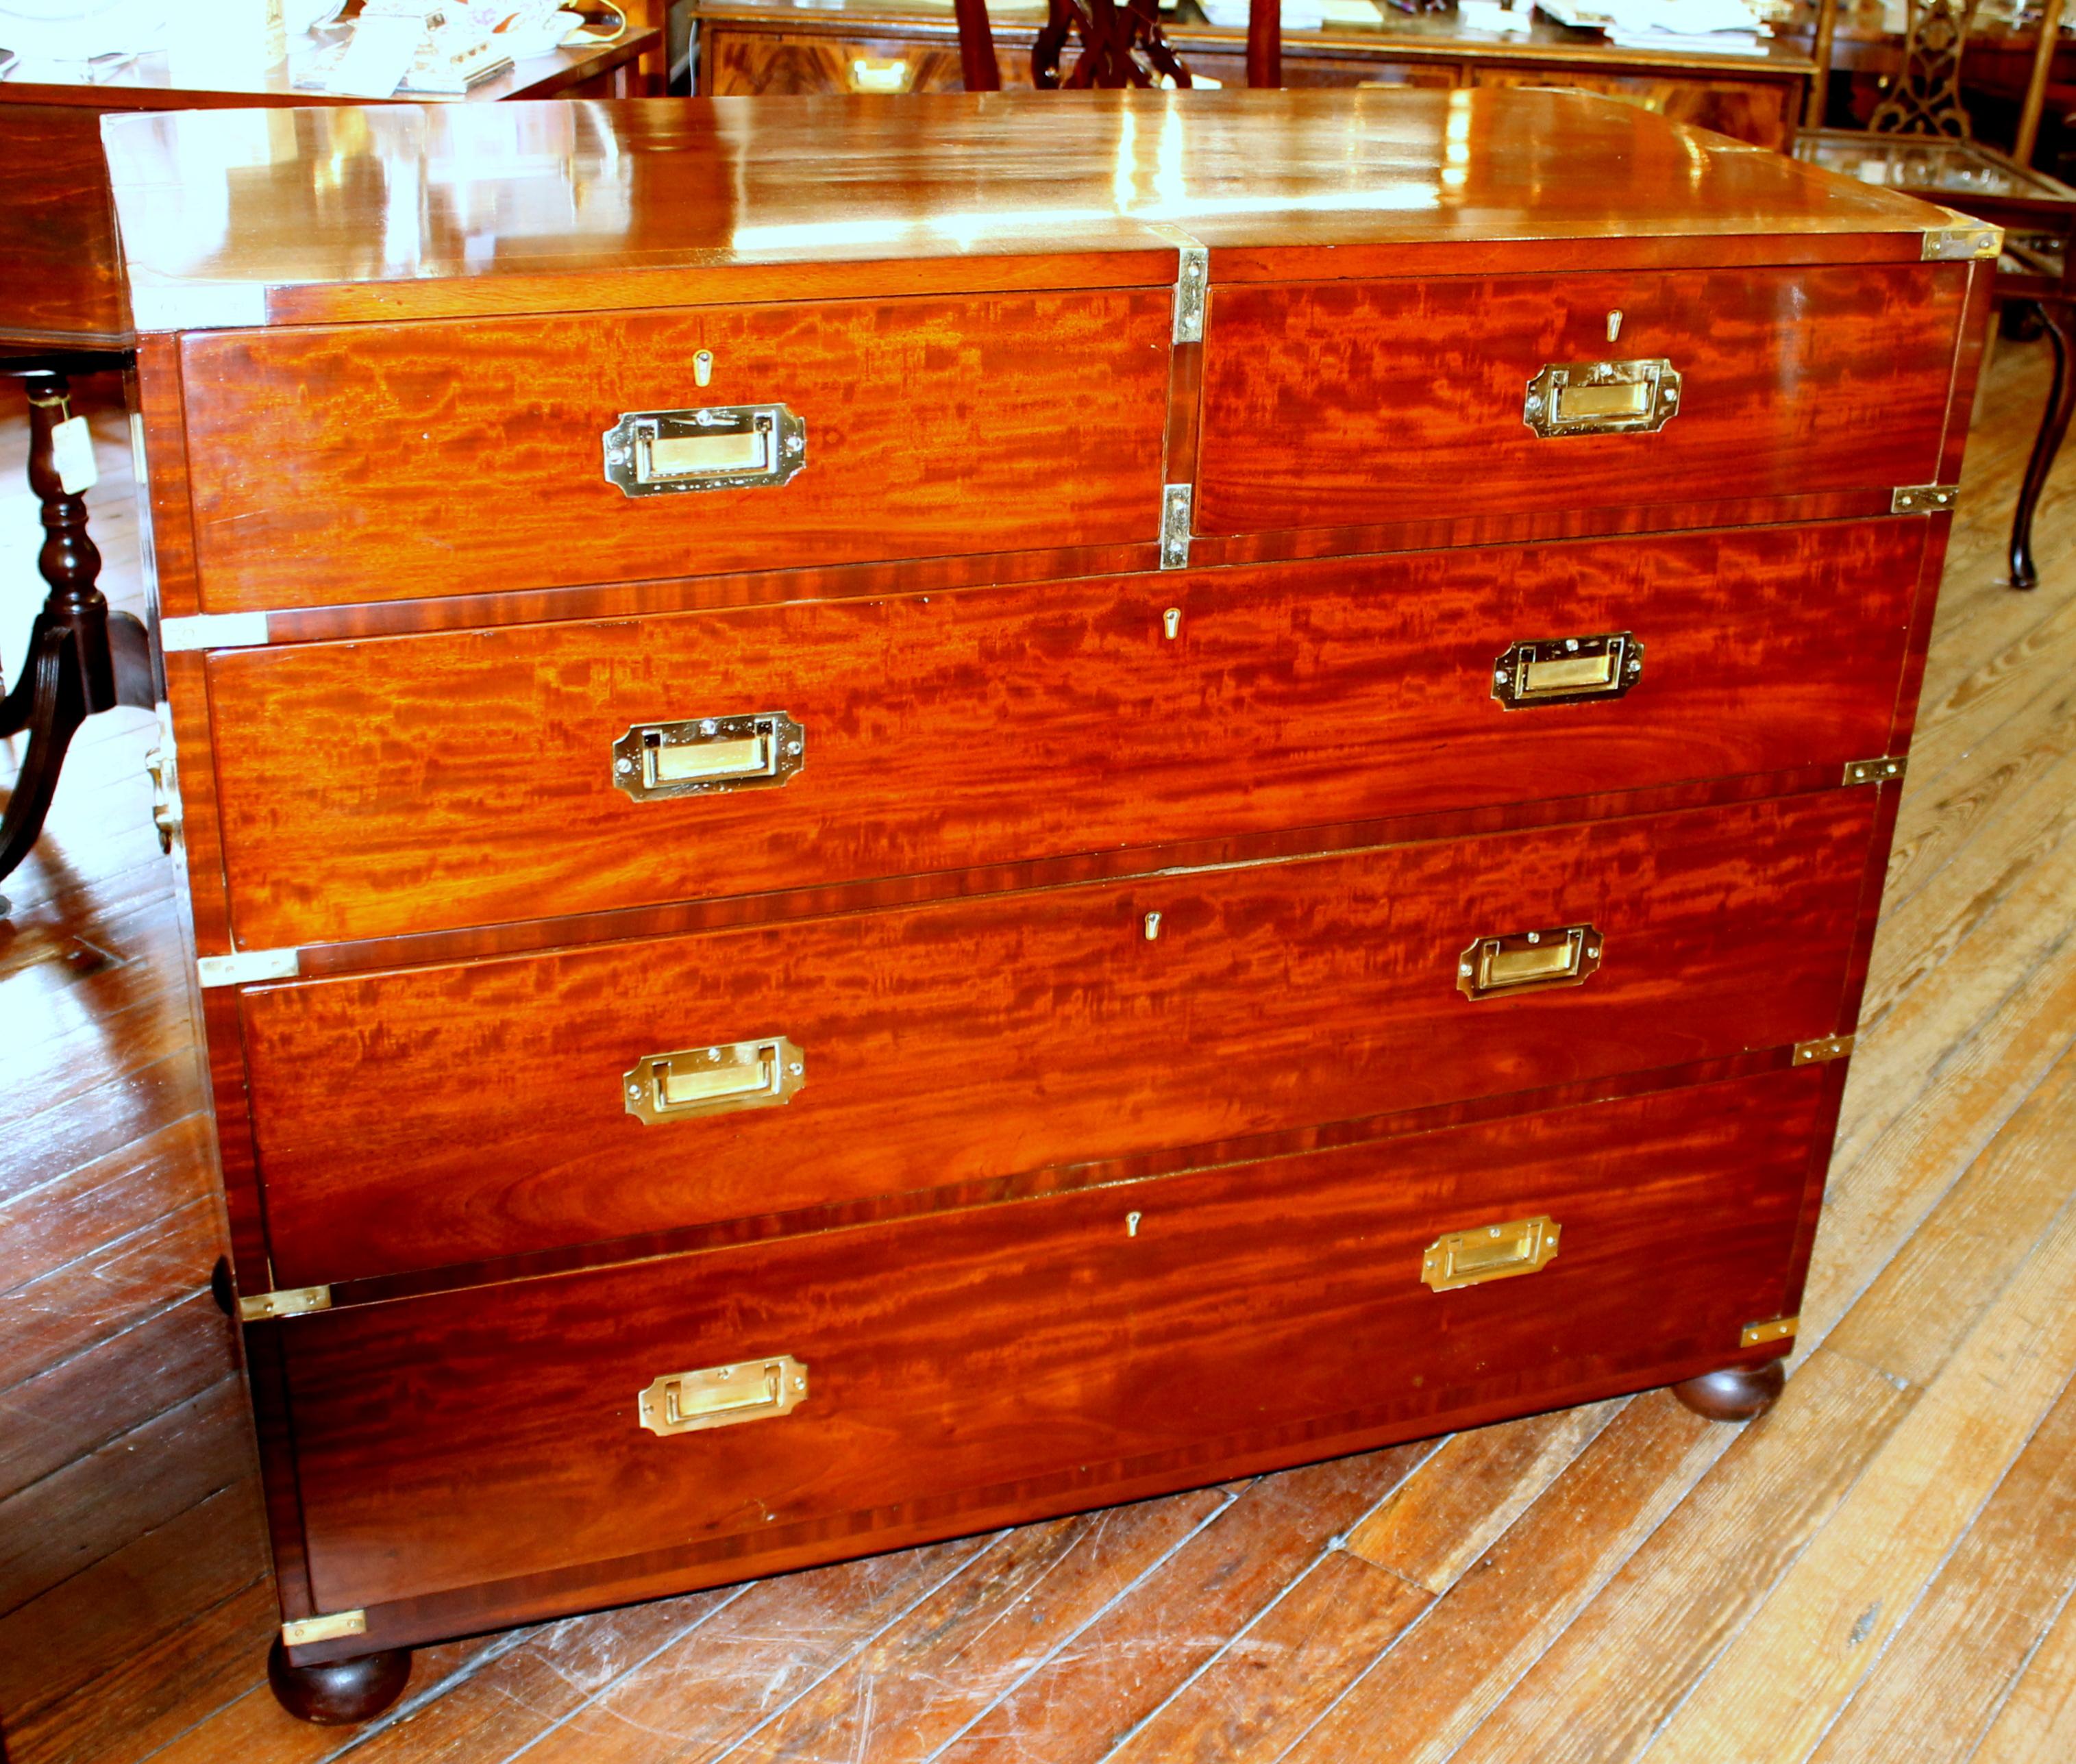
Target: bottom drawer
{"x": 1026, "y": 1358}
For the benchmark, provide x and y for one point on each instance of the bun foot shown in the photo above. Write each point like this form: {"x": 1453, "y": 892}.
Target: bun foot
{"x": 338, "y": 1692}
{"x": 1735, "y": 1393}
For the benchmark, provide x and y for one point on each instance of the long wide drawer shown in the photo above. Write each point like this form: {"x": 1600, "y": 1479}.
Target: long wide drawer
{"x": 1341, "y": 404}
{"x": 417, "y": 783}
{"x": 439, "y": 1115}
{"x": 1022, "y": 1358}
{"x": 351, "y": 463}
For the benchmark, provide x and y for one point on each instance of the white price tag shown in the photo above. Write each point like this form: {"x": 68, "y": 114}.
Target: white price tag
{"x": 71, "y": 452}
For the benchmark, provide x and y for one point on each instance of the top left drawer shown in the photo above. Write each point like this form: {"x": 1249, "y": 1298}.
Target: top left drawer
{"x": 344, "y": 464}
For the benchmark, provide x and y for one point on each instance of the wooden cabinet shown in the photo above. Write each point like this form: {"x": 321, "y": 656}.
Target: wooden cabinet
{"x": 745, "y": 49}
{"x": 1137, "y": 792}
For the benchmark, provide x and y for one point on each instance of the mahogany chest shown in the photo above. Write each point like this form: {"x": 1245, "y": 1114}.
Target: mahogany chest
{"x": 905, "y": 816}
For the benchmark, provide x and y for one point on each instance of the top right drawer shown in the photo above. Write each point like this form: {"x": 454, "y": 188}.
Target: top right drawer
{"x": 1350, "y": 404}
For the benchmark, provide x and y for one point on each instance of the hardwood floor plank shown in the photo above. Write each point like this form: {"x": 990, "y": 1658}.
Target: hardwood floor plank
{"x": 1276, "y": 1677}
{"x": 62, "y": 1220}
{"x": 1966, "y": 1091}
{"x": 1935, "y": 1692}
{"x": 779, "y": 1640}
{"x": 1609, "y": 1681}
{"x": 924, "y": 1679}
{"x": 1917, "y": 1312}
{"x": 1089, "y": 1694}
{"x": 118, "y": 1384}
{"x": 98, "y": 1122}
{"x": 1443, "y": 1517}
{"x": 89, "y": 1625}
{"x": 504, "y": 1698}
{"x": 1819, "y": 1633}
{"x": 2038, "y": 1719}
{"x": 66, "y": 1523}
{"x": 1430, "y": 1691}
{"x": 159, "y": 1693}
{"x": 98, "y": 1296}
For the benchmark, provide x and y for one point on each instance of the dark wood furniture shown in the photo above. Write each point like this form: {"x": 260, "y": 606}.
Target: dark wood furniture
{"x": 1159, "y": 787}
{"x": 2038, "y": 213}
{"x": 63, "y": 312}
{"x": 753, "y": 47}
{"x": 1100, "y": 45}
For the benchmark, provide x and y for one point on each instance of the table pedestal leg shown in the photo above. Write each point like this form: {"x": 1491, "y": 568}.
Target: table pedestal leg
{"x": 82, "y": 658}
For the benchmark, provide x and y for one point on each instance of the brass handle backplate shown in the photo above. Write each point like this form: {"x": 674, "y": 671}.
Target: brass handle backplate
{"x": 723, "y": 1396}
{"x": 1528, "y": 962}
{"x": 1489, "y": 1252}
{"x": 1567, "y": 670}
{"x": 657, "y": 453}
{"x": 1602, "y": 398}
{"x": 706, "y": 756}
{"x": 664, "y": 1087}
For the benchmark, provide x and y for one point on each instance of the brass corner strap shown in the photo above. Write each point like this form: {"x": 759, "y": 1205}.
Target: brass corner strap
{"x": 289, "y": 1301}
{"x": 1957, "y": 244}
{"x": 1924, "y": 499}
{"x": 1810, "y": 1053}
{"x": 1875, "y": 771}
{"x": 1777, "y": 1329}
{"x": 331, "y": 1627}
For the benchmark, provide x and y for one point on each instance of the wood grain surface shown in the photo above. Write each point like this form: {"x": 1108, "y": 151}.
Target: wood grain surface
{"x": 1232, "y": 1616}
{"x": 336, "y": 464}
{"x": 404, "y": 786}
{"x": 1034, "y": 1343}
{"x": 976, "y": 1039}
{"x": 1337, "y": 403}
{"x": 65, "y": 276}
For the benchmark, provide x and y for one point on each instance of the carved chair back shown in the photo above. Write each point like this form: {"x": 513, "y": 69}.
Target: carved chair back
{"x": 1926, "y": 97}
{"x": 1121, "y": 44}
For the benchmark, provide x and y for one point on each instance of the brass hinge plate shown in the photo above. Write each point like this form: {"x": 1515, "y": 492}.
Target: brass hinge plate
{"x": 1924, "y": 499}
{"x": 1875, "y": 771}
{"x": 289, "y": 1301}
{"x": 1810, "y": 1053}
{"x": 1191, "y": 280}
{"x": 330, "y": 1627}
{"x": 1777, "y": 1329}
{"x": 1175, "y": 526}
{"x": 212, "y": 631}
{"x": 248, "y": 966}
{"x": 1957, "y": 244}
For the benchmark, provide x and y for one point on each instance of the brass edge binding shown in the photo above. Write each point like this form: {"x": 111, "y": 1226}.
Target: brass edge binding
{"x": 289, "y": 1301}
{"x": 1777, "y": 1329}
{"x": 1175, "y": 499}
{"x": 328, "y": 1628}
{"x": 212, "y": 631}
{"x": 1810, "y": 1053}
{"x": 246, "y": 965}
{"x": 1958, "y": 244}
{"x": 1193, "y": 278}
{"x": 1874, "y": 771}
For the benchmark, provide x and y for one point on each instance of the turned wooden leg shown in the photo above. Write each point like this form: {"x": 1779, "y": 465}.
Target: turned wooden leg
{"x": 1735, "y": 1393}
{"x": 339, "y": 1691}
{"x": 2053, "y": 425}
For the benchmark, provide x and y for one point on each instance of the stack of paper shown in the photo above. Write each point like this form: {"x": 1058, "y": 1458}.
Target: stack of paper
{"x": 1297, "y": 15}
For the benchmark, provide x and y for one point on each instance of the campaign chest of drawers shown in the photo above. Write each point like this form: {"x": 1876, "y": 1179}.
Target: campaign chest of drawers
{"x": 902, "y": 816}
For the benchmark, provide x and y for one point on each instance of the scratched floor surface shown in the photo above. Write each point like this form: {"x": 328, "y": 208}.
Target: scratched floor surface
{"x": 1879, "y": 1570}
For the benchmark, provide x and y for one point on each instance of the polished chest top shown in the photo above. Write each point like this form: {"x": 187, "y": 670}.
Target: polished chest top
{"x": 902, "y": 816}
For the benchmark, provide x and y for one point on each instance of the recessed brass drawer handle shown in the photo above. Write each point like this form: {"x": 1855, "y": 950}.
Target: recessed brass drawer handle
{"x": 666, "y": 1087}
{"x": 1567, "y": 670}
{"x": 1602, "y": 398}
{"x": 657, "y": 453}
{"x": 708, "y": 755}
{"x": 1528, "y": 960}
{"x": 723, "y": 1396}
{"x": 1489, "y": 1252}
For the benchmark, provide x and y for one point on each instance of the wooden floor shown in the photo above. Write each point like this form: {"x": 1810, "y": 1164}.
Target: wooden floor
{"x": 1879, "y": 1570}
